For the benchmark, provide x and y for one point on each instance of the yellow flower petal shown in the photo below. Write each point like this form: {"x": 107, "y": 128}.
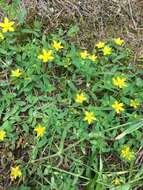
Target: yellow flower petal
{"x": 119, "y": 82}
{"x": 89, "y": 117}
{"x": 15, "y": 172}
{"x": 80, "y": 98}
{"x": 118, "y": 107}
{"x": 127, "y": 153}
{"x": 57, "y": 45}
{"x": 46, "y": 55}
{"x": 100, "y": 45}
{"x": 7, "y": 26}
{"x": 40, "y": 130}
{"x": 134, "y": 104}
{"x": 118, "y": 41}
{"x": 2, "y": 134}
{"x": 117, "y": 181}
{"x": 107, "y": 50}
{"x": 92, "y": 57}
{"x": 16, "y": 73}
{"x": 84, "y": 54}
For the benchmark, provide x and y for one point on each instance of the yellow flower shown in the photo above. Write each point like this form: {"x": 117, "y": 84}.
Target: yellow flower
{"x": 46, "y": 56}
{"x": 118, "y": 41}
{"x": 118, "y": 107}
{"x": 57, "y": 45}
{"x": 80, "y": 98}
{"x": 119, "y": 82}
{"x": 126, "y": 153}
{"x": 107, "y": 50}
{"x": 2, "y": 134}
{"x": 16, "y": 73}
{"x": 1, "y": 36}
{"x": 92, "y": 57}
{"x": 7, "y": 25}
{"x": 84, "y": 54}
{"x": 40, "y": 130}
{"x": 117, "y": 181}
{"x": 89, "y": 117}
{"x": 134, "y": 104}
{"x": 100, "y": 45}
{"x": 15, "y": 172}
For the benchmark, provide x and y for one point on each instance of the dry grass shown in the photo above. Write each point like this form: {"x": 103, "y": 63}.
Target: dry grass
{"x": 97, "y": 19}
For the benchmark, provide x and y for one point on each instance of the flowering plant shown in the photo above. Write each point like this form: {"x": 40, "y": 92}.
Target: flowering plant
{"x": 69, "y": 115}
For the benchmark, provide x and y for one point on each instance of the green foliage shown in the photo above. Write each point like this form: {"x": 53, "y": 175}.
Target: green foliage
{"x": 71, "y": 154}
{"x": 73, "y": 31}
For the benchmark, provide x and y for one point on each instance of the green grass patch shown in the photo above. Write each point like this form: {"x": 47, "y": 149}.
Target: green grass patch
{"x": 70, "y": 118}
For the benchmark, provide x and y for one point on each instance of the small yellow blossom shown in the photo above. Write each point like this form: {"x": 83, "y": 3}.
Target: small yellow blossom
{"x": 80, "y": 98}
{"x": 107, "y": 50}
{"x": 2, "y": 134}
{"x": 40, "y": 130}
{"x": 57, "y": 45}
{"x": 7, "y": 25}
{"x": 84, "y": 54}
{"x": 119, "y": 82}
{"x": 118, "y": 41}
{"x": 15, "y": 172}
{"x": 117, "y": 181}
{"x": 134, "y": 104}
{"x": 100, "y": 45}
{"x": 127, "y": 153}
{"x": 46, "y": 55}
{"x": 118, "y": 107}
{"x": 16, "y": 73}
{"x": 92, "y": 57}
{"x": 1, "y": 36}
{"x": 89, "y": 117}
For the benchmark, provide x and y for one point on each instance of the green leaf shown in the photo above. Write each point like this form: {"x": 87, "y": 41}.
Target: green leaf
{"x": 23, "y": 187}
{"x": 7, "y": 126}
{"x": 22, "y": 16}
{"x": 30, "y": 31}
{"x": 73, "y": 31}
{"x": 99, "y": 187}
{"x": 125, "y": 187}
{"x": 130, "y": 130}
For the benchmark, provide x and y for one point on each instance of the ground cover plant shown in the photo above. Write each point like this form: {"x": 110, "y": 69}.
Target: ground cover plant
{"x": 70, "y": 117}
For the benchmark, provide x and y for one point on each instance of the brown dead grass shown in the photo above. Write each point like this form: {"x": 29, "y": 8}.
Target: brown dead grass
{"x": 97, "y": 19}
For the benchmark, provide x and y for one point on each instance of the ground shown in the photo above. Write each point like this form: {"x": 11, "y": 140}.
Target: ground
{"x": 68, "y": 154}
{"x": 97, "y": 19}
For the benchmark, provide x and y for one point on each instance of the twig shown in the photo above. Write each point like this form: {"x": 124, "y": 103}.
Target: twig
{"x": 131, "y": 14}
